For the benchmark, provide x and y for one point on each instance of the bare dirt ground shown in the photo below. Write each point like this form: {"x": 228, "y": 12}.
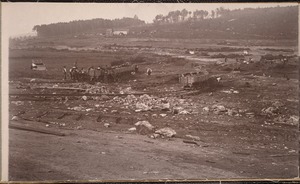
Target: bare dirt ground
{"x": 244, "y": 126}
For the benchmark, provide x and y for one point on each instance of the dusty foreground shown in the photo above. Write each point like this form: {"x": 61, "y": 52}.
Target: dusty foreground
{"x": 91, "y": 155}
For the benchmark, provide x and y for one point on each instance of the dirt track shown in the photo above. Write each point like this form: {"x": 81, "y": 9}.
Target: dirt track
{"x": 87, "y": 155}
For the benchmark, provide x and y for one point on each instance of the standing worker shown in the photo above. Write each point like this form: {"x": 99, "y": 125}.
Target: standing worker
{"x": 97, "y": 74}
{"x": 65, "y": 73}
{"x": 75, "y": 65}
{"x": 105, "y": 76}
{"x": 91, "y": 73}
{"x": 149, "y": 71}
{"x": 136, "y": 68}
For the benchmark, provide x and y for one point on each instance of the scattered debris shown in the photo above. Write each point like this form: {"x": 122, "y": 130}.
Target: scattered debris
{"x": 168, "y": 132}
{"x": 18, "y": 103}
{"x": 84, "y": 98}
{"x": 142, "y": 107}
{"x": 145, "y": 124}
{"x": 232, "y": 112}
{"x": 15, "y": 118}
{"x": 88, "y": 109}
{"x": 105, "y": 97}
{"x": 231, "y": 91}
{"x": 154, "y": 136}
{"x": 191, "y": 52}
{"x": 163, "y": 115}
{"x": 77, "y": 108}
{"x": 217, "y": 109}
{"x": 106, "y": 125}
{"x": 294, "y": 120}
{"x": 132, "y": 129}
{"x": 205, "y": 109}
{"x": 184, "y": 112}
{"x": 190, "y": 142}
{"x": 196, "y": 138}
{"x": 270, "y": 111}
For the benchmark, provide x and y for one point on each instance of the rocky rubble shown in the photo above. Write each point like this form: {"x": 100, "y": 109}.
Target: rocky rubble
{"x": 148, "y": 103}
{"x": 166, "y": 132}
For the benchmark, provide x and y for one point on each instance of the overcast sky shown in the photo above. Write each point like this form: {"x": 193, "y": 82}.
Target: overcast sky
{"x": 19, "y": 18}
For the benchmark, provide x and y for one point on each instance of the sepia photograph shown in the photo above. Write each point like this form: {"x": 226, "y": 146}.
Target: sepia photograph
{"x": 115, "y": 92}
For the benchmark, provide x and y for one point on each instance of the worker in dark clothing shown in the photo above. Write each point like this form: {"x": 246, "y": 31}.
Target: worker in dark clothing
{"x": 149, "y": 71}
{"x": 65, "y": 72}
{"x": 91, "y": 73}
{"x": 97, "y": 74}
{"x": 105, "y": 76}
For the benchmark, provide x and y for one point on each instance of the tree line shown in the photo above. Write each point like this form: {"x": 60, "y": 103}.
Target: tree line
{"x": 185, "y": 15}
{"x": 273, "y": 22}
{"x": 84, "y": 26}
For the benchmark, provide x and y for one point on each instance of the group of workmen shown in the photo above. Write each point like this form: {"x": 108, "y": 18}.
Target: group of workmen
{"x": 98, "y": 74}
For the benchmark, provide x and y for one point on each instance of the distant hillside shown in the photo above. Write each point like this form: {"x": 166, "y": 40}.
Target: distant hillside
{"x": 249, "y": 23}
{"x": 266, "y": 23}
{"x": 85, "y": 26}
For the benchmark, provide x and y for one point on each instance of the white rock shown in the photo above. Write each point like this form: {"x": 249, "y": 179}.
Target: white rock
{"x": 145, "y": 124}
{"x": 154, "y": 136}
{"x": 15, "y": 118}
{"x": 184, "y": 112}
{"x": 84, "y": 98}
{"x": 294, "y": 119}
{"x": 132, "y": 129}
{"x": 77, "y": 108}
{"x": 142, "y": 106}
{"x": 206, "y": 109}
{"x": 193, "y": 137}
{"x": 168, "y": 132}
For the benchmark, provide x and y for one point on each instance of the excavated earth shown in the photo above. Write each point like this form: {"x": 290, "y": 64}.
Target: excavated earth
{"x": 244, "y": 126}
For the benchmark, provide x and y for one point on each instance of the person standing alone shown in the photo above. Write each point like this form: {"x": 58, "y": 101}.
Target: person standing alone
{"x": 65, "y": 72}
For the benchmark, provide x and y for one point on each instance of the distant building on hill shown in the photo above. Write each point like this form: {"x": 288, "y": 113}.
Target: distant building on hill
{"x": 117, "y": 32}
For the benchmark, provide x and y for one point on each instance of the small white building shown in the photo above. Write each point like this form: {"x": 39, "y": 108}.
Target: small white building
{"x": 116, "y": 32}
{"x": 120, "y": 32}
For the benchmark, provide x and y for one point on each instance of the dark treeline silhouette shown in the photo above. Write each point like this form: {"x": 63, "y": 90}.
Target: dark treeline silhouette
{"x": 185, "y": 15}
{"x": 267, "y": 23}
{"x": 275, "y": 22}
{"x": 84, "y": 26}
